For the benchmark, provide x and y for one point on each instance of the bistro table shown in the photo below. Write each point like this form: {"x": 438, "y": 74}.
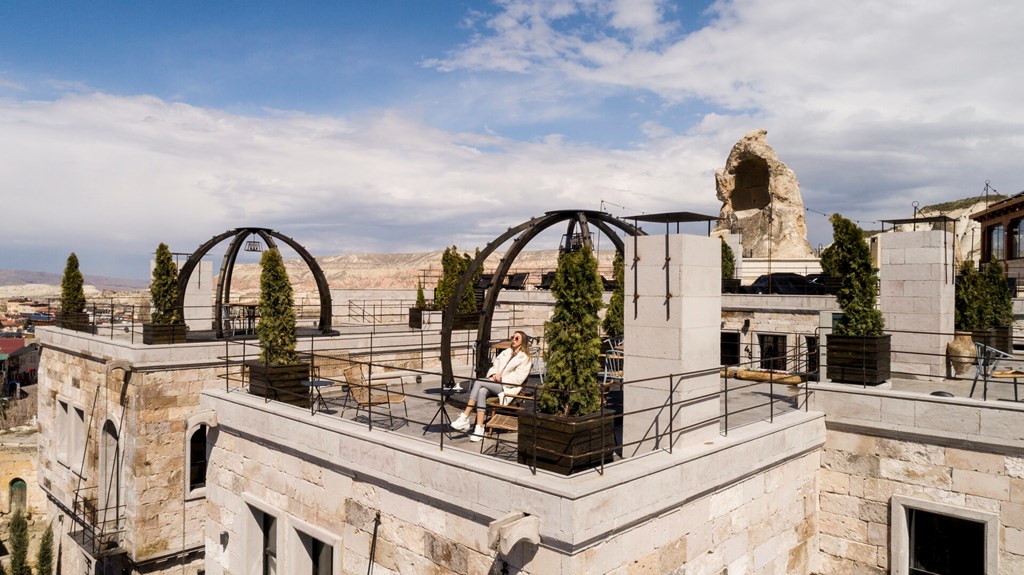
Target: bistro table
{"x": 247, "y": 313}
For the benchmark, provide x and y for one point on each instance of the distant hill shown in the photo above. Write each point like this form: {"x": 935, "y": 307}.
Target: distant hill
{"x": 22, "y": 277}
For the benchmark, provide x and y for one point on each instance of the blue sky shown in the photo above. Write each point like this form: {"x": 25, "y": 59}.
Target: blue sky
{"x": 397, "y": 126}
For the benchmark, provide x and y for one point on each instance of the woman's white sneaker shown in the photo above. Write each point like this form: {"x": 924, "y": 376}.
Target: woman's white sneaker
{"x": 478, "y": 434}
{"x": 462, "y": 423}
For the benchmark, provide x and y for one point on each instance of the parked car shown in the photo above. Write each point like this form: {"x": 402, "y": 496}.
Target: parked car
{"x": 784, "y": 283}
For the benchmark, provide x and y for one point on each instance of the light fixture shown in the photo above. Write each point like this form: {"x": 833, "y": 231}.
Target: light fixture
{"x": 253, "y": 246}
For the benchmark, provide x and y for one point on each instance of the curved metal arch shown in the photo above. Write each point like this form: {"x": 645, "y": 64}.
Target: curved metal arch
{"x": 530, "y": 229}
{"x": 228, "y": 264}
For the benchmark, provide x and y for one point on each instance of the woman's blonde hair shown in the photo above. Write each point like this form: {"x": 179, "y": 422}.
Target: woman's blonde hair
{"x": 524, "y": 345}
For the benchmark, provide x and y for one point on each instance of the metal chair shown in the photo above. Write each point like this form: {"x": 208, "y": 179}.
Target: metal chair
{"x": 986, "y": 361}
{"x": 366, "y": 394}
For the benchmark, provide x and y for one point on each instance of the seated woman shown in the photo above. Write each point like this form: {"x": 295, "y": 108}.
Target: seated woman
{"x": 506, "y": 376}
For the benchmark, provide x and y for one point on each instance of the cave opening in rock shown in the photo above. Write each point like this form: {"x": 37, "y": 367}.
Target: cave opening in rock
{"x": 751, "y": 191}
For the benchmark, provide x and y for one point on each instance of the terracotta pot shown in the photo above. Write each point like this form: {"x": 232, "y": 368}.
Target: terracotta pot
{"x": 960, "y": 352}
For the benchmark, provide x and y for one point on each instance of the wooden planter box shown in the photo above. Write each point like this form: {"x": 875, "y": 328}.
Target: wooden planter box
{"x": 416, "y": 317}
{"x": 279, "y": 382}
{"x": 78, "y": 321}
{"x": 1002, "y": 338}
{"x": 730, "y": 285}
{"x": 566, "y": 445}
{"x": 466, "y": 321}
{"x": 859, "y": 359}
{"x": 163, "y": 334}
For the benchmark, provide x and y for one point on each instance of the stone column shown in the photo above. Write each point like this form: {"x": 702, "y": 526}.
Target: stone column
{"x": 672, "y": 329}
{"x": 917, "y": 299}
{"x": 199, "y": 312}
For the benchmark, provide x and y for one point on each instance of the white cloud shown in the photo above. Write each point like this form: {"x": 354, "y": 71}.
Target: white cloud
{"x": 121, "y": 174}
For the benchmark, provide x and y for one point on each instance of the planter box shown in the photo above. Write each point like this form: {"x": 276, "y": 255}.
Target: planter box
{"x": 858, "y": 359}
{"x": 279, "y": 382}
{"x": 730, "y": 285}
{"x": 416, "y": 317}
{"x": 566, "y": 445}
{"x": 163, "y": 334}
{"x": 78, "y": 321}
{"x": 1002, "y": 338}
{"x": 466, "y": 321}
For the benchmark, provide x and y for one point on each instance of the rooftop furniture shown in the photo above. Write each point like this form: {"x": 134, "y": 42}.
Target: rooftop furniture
{"x": 367, "y": 394}
{"x": 987, "y": 363}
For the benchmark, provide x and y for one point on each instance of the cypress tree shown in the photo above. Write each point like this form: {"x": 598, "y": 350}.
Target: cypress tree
{"x": 970, "y": 303}
{"x": 1000, "y": 302}
{"x": 44, "y": 559}
{"x": 72, "y": 290}
{"x": 276, "y": 329}
{"x": 850, "y": 258}
{"x": 421, "y": 300}
{"x": 574, "y": 343}
{"x": 453, "y": 266}
{"x": 19, "y": 544}
{"x": 613, "y": 322}
{"x": 728, "y": 260}
{"x": 163, "y": 289}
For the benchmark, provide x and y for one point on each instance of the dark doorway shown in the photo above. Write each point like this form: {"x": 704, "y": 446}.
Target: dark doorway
{"x": 730, "y": 348}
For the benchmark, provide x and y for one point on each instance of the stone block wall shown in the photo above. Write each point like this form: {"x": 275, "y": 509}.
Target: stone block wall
{"x": 957, "y": 452}
{"x": 18, "y": 461}
{"x": 917, "y": 299}
{"x": 744, "y": 503}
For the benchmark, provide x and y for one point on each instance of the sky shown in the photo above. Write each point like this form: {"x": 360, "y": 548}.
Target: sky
{"x": 406, "y": 126}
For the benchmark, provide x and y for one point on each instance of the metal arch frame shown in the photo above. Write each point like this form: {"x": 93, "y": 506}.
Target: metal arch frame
{"x": 228, "y": 265}
{"x": 530, "y": 229}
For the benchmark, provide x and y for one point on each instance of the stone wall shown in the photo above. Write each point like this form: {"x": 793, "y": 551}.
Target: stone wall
{"x": 745, "y": 503}
{"x": 958, "y": 452}
{"x": 18, "y": 461}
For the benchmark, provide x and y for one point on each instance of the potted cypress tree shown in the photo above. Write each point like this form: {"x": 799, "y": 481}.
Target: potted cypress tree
{"x": 453, "y": 266}
{"x": 858, "y": 349}
{"x": 416, "y": 313}
{"x": 167, "y": 325}
{"x": 730, "y": 284}
{"x": 1000, "y": 304}
{"x": 72, "y": 297}
{"x": 570, "y": 431}
{"x": 278, "y": 373}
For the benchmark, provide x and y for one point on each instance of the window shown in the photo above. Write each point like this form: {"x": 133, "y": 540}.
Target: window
{"x": 319, "y": 555}
{"x": 18, "y": 498}
{"x": 63, "y": 421}
{"x": 197, "y": 459}
{"x": 773, "y": 351}
{"x": 926, "y": 538}
{"x": 268, "y": 526}
{"x": 1016, "y": 239}
{"x": 996, "y": 243}
{"x": 77, "y": 439}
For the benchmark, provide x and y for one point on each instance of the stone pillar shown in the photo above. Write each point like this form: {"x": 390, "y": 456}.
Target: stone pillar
{"x": 199, "y": 312}
{"x": 671, "y": 333}
{"x": 917, "y": 299}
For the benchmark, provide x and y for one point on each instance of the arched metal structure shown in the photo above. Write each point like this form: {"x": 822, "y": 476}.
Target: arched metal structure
{"x": 223, "y": 295}
{"x": 529, "y": 229}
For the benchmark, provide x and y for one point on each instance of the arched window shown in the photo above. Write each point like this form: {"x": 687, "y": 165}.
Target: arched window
{"x": 18, "y": 491}
{"x": 197, "y": 458}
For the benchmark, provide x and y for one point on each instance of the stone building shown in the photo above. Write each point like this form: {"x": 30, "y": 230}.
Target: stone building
{"x": 20, "y": 492}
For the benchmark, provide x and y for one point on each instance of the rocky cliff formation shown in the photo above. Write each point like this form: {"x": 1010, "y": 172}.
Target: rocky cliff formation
{"x": 761, "y": 201}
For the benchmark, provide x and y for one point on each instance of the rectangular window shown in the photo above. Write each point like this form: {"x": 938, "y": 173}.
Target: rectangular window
{"x": 773, "y": 351}
{"x": 62, "y": 422}
{"x": 1016, "y": 239}
{"x": 78, "y": 437}
{"x": 944, "y": 544}
{"x": 268, "y": 527}
{"x": 996, "y": 243}
{"x": 320, "y": 556}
